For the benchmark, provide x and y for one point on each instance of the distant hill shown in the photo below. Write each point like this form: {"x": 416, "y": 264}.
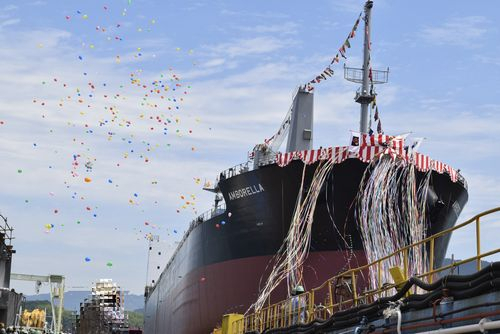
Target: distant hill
{"x": 72, "y": 300}
{"x": 464, "y": 269}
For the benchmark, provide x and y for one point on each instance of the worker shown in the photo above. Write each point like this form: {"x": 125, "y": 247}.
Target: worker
{"x": 298, "y": 305}
{"x": 2, "y": 328}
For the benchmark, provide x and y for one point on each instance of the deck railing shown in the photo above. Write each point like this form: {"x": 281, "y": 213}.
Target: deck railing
{"x": 348, "y": 289}
{"x": 236, "y": 170}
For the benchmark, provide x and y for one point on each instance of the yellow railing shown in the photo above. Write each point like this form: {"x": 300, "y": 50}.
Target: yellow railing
{"x": 345, "y": 290}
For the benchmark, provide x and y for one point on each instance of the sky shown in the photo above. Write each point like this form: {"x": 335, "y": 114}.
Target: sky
{"x": 114, "y": 113}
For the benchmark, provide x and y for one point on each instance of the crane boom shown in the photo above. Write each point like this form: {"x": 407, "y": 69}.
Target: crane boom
{"x": 274, "y": 143}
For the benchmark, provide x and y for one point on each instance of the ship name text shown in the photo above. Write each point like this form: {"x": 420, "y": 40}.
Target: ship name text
{"x": 245, "y": 192}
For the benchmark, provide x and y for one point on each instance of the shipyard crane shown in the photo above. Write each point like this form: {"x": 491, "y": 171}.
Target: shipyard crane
{"x": 56, "y": 287}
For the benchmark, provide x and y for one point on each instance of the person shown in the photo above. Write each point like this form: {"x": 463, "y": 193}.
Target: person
{"x": 298, "y": 305}
{"x": 2, "y": 328}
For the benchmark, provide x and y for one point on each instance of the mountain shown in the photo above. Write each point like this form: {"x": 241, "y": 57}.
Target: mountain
{"x": 464, "y": 269}
{"x": 72, "y": 300}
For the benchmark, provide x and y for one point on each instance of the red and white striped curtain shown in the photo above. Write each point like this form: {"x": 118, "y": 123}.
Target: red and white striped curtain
{"x": 370, "y": 147}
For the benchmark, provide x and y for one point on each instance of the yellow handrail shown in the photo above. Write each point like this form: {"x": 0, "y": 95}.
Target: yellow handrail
{"x": 282, "y": 314}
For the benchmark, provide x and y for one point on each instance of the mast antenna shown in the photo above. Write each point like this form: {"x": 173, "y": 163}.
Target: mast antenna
{"x": 365, "y": 75}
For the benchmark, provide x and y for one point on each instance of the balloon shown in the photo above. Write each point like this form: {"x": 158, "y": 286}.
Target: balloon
{"x": 87, "y": 259}
{"x": 229, "y": 214}
{"x": 109, "y": 264}
{"x": 87, "y": 179}
{"x": 223, "y": 222}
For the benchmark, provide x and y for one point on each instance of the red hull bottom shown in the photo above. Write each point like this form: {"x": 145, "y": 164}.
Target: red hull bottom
{"x": 201, "y": 298}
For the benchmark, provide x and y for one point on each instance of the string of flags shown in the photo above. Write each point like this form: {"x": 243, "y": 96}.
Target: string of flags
{"x": 376, "y": 117}
{"x": 328, "y": 71}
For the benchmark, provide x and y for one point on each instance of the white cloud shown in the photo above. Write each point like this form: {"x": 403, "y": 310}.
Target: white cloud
{"x": 488, "y": 60}
{"x": 284, "y": 28}
{"x": 467, "y": 32}
{"x": 347, "y": 6}
{"x": 251, "y": 46}
{"x": 262, "y": 15}
{"x": 9, "y": 22}
{"x": 9, "y": 7}
{"x": 214, "y": 62}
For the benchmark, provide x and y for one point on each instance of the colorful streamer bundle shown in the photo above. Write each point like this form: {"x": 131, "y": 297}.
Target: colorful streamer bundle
{"x": 391, "y": 214}
{"x": 288, "y": 262}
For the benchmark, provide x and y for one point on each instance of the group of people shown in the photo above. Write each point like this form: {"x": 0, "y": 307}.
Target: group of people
{"x": 13, "y": 330}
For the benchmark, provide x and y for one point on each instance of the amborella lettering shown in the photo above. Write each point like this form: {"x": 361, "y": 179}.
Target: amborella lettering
{"x": 245, "y": 192}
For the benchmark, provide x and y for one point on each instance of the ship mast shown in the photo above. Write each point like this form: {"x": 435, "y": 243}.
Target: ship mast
{"x": 366, "y": 96}
{"x": 365, "y": 75}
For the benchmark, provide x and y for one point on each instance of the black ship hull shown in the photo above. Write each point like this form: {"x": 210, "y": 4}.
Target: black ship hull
{"x": 222, "y": 261}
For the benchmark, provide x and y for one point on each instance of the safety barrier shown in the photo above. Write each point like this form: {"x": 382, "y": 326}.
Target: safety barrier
{"x": 348, "y": 289}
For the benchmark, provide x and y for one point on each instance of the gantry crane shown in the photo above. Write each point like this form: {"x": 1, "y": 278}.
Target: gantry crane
{"x": 56, "y": 287}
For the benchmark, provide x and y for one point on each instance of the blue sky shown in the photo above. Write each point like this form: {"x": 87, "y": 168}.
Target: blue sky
{"x": 235, "y": 66}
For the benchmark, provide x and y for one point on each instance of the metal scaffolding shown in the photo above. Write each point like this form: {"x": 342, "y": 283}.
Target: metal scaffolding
{"x": 103, "y": 312}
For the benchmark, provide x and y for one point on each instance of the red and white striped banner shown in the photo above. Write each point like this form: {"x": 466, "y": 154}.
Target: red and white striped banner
{"x": 452, "y": 172}
{"x": 396, "y": 142}
{"x": 422, "y": 162}
{"x": 367, "y": 153}
{"x": 375, "y": 140}
{"x": 438, "y": 166}
{"x": 375, "y": 146}
{"x": 283, "y": 159}
{"x": 341, "y": 153}
{"x": 311, "y": 156}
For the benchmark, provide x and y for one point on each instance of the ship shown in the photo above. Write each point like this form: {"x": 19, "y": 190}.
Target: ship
{"x": 227, "y": 253}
